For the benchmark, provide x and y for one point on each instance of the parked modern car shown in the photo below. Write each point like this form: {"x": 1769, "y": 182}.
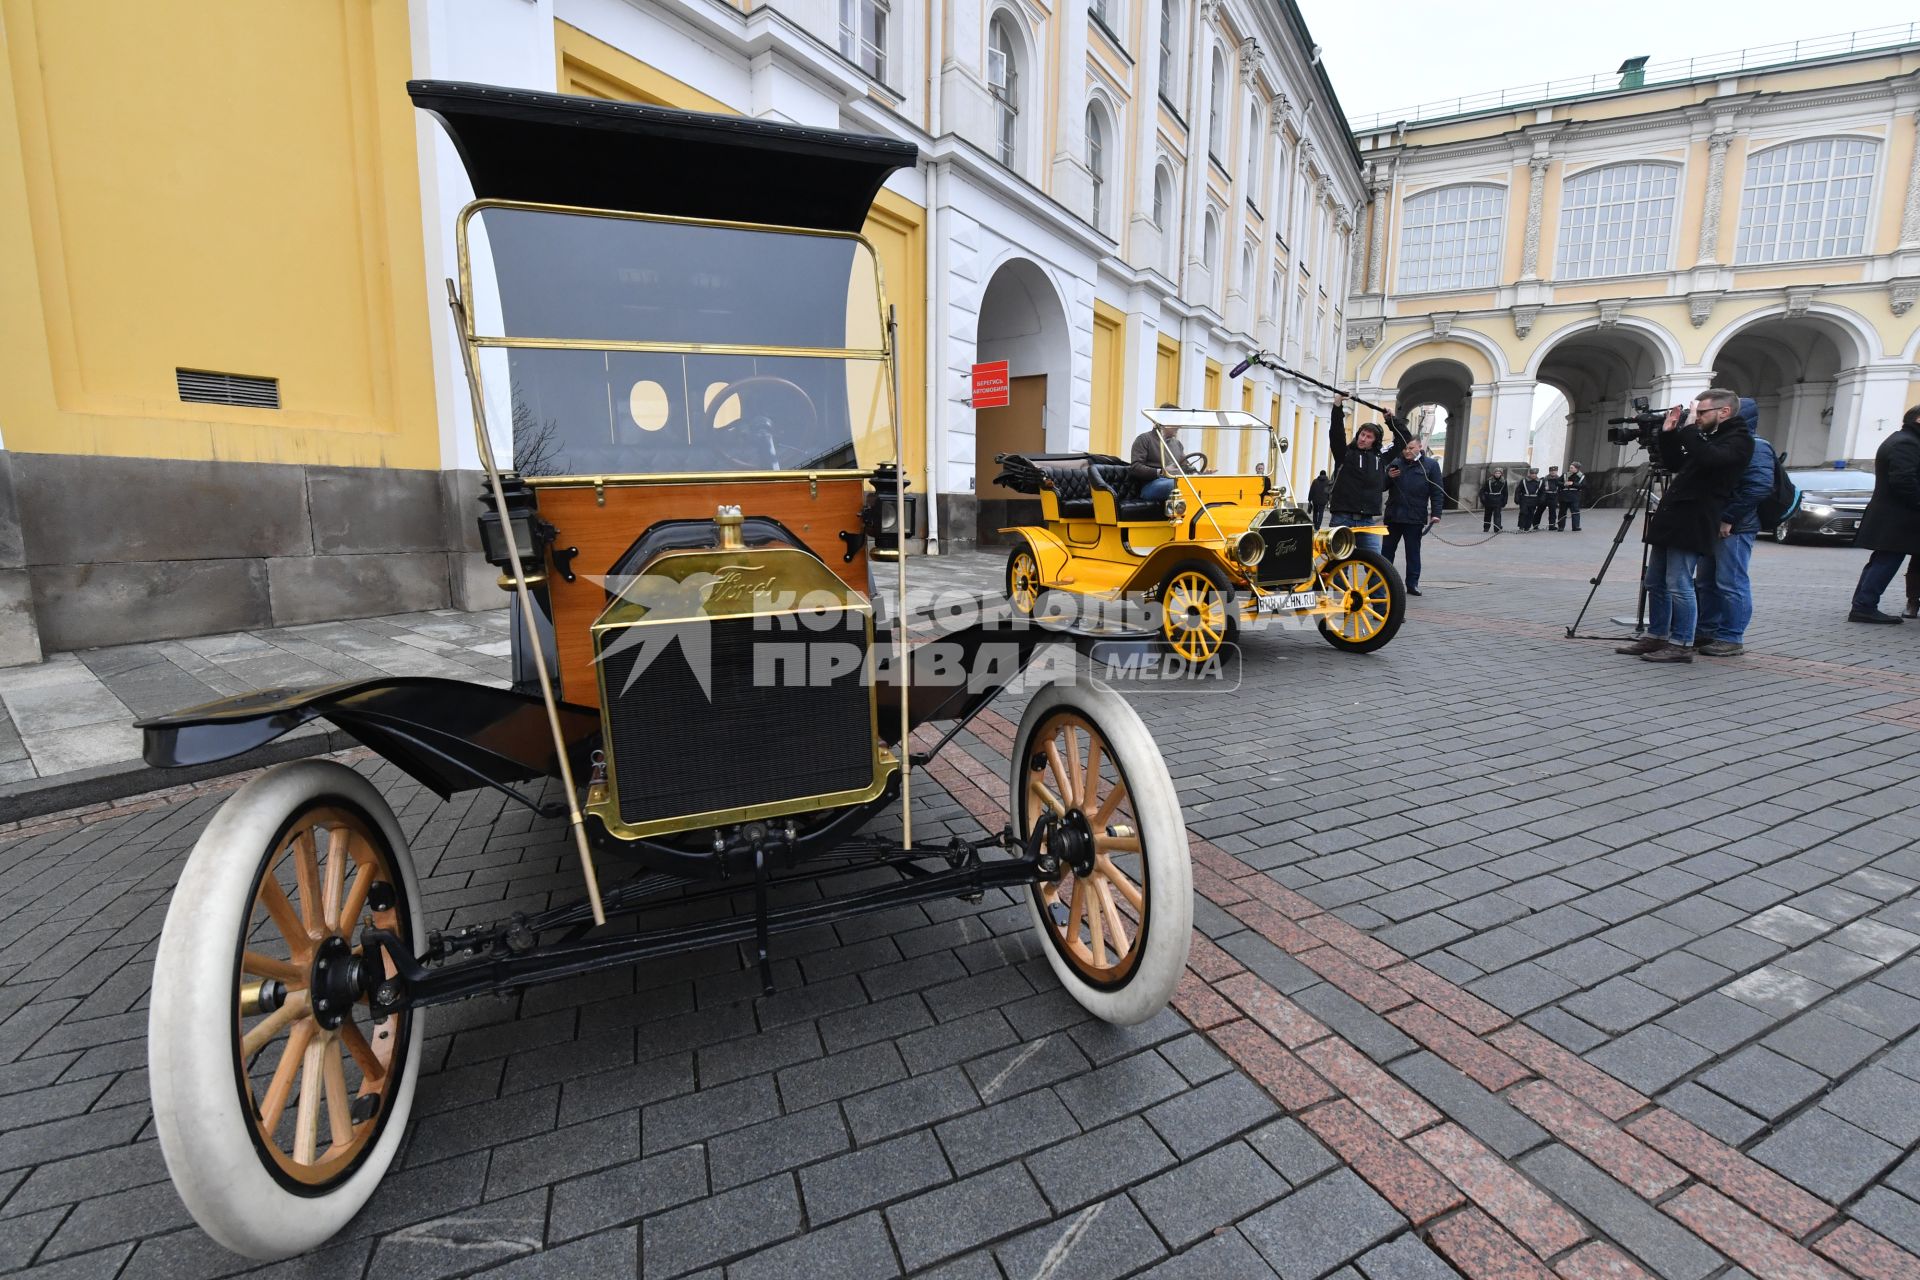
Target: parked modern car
{"x": 1831, "y": 504}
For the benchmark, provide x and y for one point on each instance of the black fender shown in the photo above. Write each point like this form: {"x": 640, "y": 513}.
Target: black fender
{"x": 448, "y": 735}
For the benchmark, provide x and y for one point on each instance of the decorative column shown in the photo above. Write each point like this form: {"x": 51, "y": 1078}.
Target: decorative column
{"x": 1382, "y": 188}
{"x": 1536, "y": 201}
{"x": 1910, "y": 220}
{"x": 1716, "y": 187}
{"x": 1356, "y": 261}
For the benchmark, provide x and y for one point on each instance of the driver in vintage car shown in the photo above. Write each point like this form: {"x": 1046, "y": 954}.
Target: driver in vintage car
{"x": 1153, "y": 449}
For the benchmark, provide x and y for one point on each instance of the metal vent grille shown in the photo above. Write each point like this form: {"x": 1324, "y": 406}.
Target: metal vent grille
{"x": 677, "y": 752}
{"x": 200, "y": 387}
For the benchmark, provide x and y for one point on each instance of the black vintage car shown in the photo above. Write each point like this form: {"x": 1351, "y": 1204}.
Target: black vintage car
{"x": 1832, "y": 500}
{"x": 679, "y": 343}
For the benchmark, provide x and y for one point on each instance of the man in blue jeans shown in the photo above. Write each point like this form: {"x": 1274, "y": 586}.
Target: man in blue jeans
{"x": 1706, "y": 462}
{"x": 1724, "y": 590}
{"x": 1891, "y": 527}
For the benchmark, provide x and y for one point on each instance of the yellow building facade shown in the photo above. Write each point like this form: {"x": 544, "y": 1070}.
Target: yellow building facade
{"x": 1757, "y": 227}
{"x": 232, "y": 396}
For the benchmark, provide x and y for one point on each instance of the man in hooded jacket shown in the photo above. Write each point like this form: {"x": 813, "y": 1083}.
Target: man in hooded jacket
{"x": 1721, "y": 583}
{"x": 1360, "y": 471}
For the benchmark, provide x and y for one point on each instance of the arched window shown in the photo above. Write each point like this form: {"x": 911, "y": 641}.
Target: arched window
{"x": 1284, "y": 162}
{"x": 1617, "y": 221}
{"x": 1253, "y": 154}
{"x": 1169, "y": 51}
{"x": 1273, "y": 294}
{"x": 863, "y": 35}
{"x": 1450, "y": 238}
{"x": 1210, "y": 242}
{"x": 1217, "y": 105}
{"x": 1162, "y": 198}
{"x": 1807, "y": 200}
{"x": 1097, "y": 163}
{"x": 1003, "y": 79}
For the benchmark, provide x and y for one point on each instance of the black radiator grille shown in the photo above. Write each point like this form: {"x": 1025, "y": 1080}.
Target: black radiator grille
{"x": 1289, "y": 556}
{"x": 757, "y": 741}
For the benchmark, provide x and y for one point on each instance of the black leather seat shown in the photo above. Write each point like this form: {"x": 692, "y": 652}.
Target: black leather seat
{"x": 1073, "y": 486}
{"x": 1119, "y": 480}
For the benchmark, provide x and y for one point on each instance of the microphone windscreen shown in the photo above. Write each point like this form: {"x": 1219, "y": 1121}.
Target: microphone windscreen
{"x": 1240, "y": 368}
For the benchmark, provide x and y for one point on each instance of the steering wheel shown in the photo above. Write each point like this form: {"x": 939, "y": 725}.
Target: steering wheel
{"x": 749, "y": 441}
{"x": 1196, "y": 463}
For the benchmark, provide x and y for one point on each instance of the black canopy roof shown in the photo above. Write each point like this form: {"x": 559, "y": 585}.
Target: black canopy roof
{"x": 553, "y": 148}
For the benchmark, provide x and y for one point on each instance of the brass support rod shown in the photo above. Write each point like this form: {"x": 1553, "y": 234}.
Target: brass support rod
{"x": 525, "y": 597}
{"x": 900, "y": 566}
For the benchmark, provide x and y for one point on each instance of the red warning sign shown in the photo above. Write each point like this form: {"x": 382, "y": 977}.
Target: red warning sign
{"x": 990, "y": 385}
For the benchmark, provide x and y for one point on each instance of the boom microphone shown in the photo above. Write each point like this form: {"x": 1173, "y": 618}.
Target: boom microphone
{"x": 1240, "y": 368}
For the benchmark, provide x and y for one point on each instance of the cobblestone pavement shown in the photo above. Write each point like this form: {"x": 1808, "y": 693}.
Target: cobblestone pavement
{"x": 1515, "y": 958}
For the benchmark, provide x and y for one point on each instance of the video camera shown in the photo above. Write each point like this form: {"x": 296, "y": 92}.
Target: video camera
{"x": 1643, "y": 428}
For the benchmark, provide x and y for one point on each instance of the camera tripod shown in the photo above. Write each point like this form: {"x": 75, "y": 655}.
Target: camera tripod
{"x": 1643, "y": 499}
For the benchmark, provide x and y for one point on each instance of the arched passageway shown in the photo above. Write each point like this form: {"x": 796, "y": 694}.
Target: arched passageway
{"x": 1600, "y": 371}
{"x": 1800, "y": 370}
{"x": 1023, "y": 322}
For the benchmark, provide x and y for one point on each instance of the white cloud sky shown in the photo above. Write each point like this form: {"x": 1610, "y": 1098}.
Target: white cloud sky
{"x": 1385, "y": 56}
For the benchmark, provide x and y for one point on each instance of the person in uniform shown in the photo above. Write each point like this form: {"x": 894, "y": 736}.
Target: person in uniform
{"x": 1317, "y": 497}
{"x": 1572, "y": 490}
{"x": 1552, "y": 487}
{"x": 1493, "y": 499}
{"x": 1529, "y": 498}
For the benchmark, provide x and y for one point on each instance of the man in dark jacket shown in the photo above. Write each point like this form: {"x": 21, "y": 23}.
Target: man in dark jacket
{"x": 1414, "y": 500}
{"x": 1530, "y": 495}
{"x": 1156, "y": 457}
{"x": 1891, "y": 526}
{"x": 1551, "y": 488}
{"x": 1721, "y": 584}
{"x": 1573, "y": 488}
{"x": 1706, "y": 463}
{"x": 1493, "y": 499}
{"x": 1360, "y": 470}
{"x": 1317, "y": 497}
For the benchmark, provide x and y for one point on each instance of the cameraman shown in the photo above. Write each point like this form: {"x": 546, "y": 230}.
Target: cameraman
{"x": 1360, "y": 471}
{"x": 1705, "y": 463}
{"x": 1572, "y": 489}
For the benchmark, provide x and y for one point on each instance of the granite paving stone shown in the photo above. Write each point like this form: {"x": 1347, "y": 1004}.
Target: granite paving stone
{"x": 1721, "y": 911}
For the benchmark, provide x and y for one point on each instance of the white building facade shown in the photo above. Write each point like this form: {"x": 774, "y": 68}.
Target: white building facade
{"x": 1120, "y": 199}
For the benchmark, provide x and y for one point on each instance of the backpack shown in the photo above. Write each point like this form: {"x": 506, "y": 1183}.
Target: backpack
{"x": 1779, "y": 505}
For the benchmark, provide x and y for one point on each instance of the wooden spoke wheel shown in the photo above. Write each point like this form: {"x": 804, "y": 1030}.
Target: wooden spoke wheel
{"x": 1119, "y": 911}
{"x": 279, "y": 1098}
{"x": 1370, "y": 598}
{"x": 1196, "y": 611}
{"x": 1023, "y": 580}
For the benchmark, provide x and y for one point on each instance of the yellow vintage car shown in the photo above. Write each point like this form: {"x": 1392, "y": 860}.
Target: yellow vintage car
{"x": 1229, "y": 546}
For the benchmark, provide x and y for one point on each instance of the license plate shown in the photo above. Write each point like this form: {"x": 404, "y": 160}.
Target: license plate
{"x": 1287, "y": 603}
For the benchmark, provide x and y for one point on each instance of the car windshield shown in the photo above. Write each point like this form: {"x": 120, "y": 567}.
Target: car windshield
{"x": 1233, "y": 441}
{"x": 1834, "y": 481}
{"x": 620, "y": 345}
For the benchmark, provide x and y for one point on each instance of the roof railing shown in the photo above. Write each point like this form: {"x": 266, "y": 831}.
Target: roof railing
{"x": 1649, "y": 75}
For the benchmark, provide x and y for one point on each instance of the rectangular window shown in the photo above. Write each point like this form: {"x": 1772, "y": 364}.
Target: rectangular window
{"x": 1450, "y": 238}
{"x": 1807, "y": 200}
{"x": 863, "y": 35}
{"x": 1617, "y": 221}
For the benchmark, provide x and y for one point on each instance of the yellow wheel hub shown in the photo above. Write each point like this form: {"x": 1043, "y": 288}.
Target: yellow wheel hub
{"x": 1366, "y": 600}
{"x": 1193, "y": 616}
{"x": 1024, "y": 582}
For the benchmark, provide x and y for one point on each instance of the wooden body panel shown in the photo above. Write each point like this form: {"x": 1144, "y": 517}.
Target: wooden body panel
{"x": 814, "y": 512}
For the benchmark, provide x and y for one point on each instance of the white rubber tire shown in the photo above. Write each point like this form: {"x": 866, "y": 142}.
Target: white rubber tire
{"x": 1163, "y": 830}
{"x": 205, "y": 1133}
